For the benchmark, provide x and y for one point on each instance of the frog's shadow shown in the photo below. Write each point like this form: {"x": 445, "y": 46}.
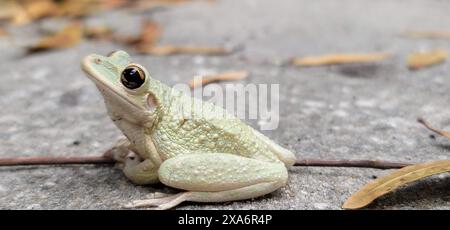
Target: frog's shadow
{"x": 425, "y": 191}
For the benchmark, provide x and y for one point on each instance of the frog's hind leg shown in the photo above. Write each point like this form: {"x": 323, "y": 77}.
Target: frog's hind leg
{"x": 216, "y": 177}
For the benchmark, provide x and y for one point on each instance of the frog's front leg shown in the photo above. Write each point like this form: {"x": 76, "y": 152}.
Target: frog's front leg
{"x": 119, "y": 151}
{"x": 138, "y": 170}
{"x": 216, "y": 177}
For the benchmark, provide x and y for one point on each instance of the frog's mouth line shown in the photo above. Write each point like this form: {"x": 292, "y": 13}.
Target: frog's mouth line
{"x": 98, "y": 80}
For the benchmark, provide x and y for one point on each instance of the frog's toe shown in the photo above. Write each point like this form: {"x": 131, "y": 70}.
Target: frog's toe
{"x": 166, "y": 202}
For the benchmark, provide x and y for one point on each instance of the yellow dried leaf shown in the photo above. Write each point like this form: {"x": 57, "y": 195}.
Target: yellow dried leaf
{"x": 77, "y": 8}
{"x": 392, "y": 181}
{"x": 7, "y": 10}
{"x": 428, "y": 34}
{"x": 176, "y": 49}
{"x": 69, "y": 36}
{"x": 333, "y": 59}
{"x": 420, "y": 60}
{"x": 38, "y": 9}
{"x": 228, "y": 76}
{"x": 11, "y": 11}
{"x": 98, "y": 32}
{"x": 21, "y": 18}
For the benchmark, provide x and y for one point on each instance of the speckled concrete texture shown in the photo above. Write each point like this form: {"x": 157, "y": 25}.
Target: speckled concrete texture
{"x": 358, "y": 111}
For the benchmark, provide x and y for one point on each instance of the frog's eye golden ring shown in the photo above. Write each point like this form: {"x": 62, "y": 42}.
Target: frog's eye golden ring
{"x": 132, "y": 77}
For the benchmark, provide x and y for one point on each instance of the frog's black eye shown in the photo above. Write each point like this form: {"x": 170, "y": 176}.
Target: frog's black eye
{"x": 132, "y": 77}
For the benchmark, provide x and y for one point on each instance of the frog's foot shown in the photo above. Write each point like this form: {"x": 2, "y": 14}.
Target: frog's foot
{"x": 119, "y": 151}
{"x": 140, "y": 171}
{"x": 164, "y": 201}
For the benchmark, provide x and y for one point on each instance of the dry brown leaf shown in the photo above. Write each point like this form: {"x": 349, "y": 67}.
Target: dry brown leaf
{"x": 387, "y": 183}
{"x": 113, "y": 4}
{"x": 177, "y": 49}
{"x": 144, "y": 5}
{"x": 333, "y": 59}
{"x": 98, "y": 32}
{"x": 228, "y": 76}
{"x": 37, "y": 9}
{"x": 21, "y": 18}
{"x": 7, "y": 10}
{"x": 3, "y": 32}
{"x": 12, "y": 11}
{"x": 149, "y": 36}
{"x": 69, "y": 36}
{"x": 77, "y": 8}
{"x": 428, "y": 34}
{"x": 418, "y": 60}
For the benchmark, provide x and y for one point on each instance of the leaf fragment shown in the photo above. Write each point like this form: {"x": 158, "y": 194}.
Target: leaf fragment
{"x": 38, "y": 9}
{"x": 428, "y": 126}
{"x": 428, "y": 34}
{"x": 163, "y": 50}
{"x": 392, "y": 181}
{"x": 150, "y": 34}
{"x": 67, "y": 37}
{"x": 2, "y": 32}
{"x": 77, "y": 8}
{"x": 12, "y": 11}
{"x": 145, "y": 5}
{"x": 418, "y": 60}
{"x": 227, "y": 76}
{"x": 333, "y": 59}
{"x": 98, "y": 32}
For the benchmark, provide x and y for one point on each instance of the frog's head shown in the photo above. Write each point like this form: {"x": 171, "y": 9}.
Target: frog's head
{"x": 124, "y": 85}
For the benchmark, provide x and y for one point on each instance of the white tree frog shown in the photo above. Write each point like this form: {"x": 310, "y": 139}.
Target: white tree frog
{"x": 210, "y": 155}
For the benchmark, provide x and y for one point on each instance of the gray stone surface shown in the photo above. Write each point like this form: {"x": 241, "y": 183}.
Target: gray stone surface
{"x": 48, "y": 107}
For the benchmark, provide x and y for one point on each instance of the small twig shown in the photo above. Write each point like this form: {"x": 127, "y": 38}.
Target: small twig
{"x": 351, "y": 163}
{"x": 199, "y": 81}
{"x": 428, "y": 126}
{"x": 15, "y": 161}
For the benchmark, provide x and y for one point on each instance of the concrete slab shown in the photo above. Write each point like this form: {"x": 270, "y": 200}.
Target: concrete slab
{"x": 48, "y": 107}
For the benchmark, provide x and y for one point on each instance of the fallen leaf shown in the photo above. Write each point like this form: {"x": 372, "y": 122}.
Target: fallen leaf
{"x": 145, "y": 5}
{"x": 428, "y": 126}
{"x": 98, "y": 32}
{"x": 69, "y": 36}
{"x": 333, "y": 59}
{"x": 178, "y": 49}
{"x": 12, "y": 11}
{"x": 428, "y": 34}
{"x": 418, "y": 60}
{"x": 113, "y": 4}
{"x": 149, "y": 36}
{"x": 392, "y": 181}
{"x": 3, "y": 32}
{"x": 77, "y": 8}
{"x": 37, "y": 9}
{"x": 228, "y": 76}
{"x": 7, "y": 10}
